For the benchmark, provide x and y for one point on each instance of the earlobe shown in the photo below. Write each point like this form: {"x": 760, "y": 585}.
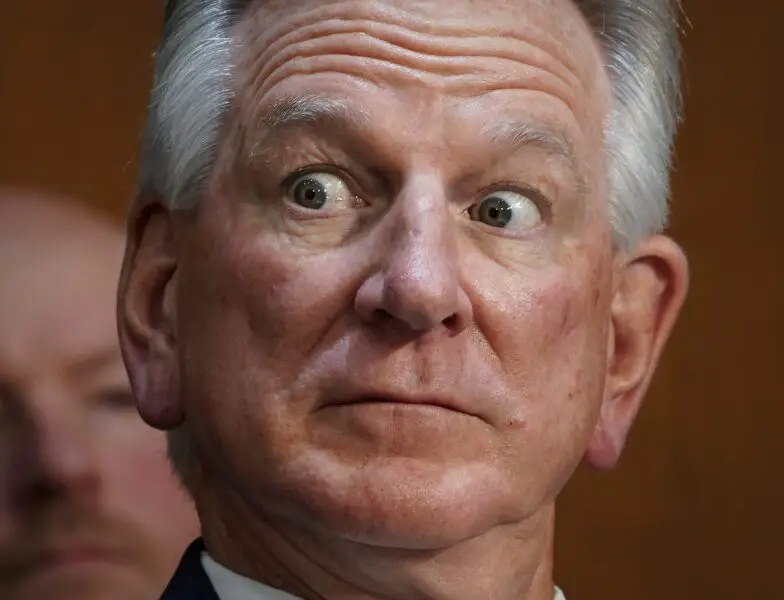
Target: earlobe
{"x": 146, "y": 315}
{"x": 650, "y": 290}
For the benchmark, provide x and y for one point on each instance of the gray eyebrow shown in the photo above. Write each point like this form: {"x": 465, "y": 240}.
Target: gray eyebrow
{"x": 516, "y": 134}
{"x": 295, "y": 111}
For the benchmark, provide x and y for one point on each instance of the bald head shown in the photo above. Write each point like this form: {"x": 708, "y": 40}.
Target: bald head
{"x": 59, "y": 265}
{"x": 92, "y": 469}
{"x": 30, "y": 218}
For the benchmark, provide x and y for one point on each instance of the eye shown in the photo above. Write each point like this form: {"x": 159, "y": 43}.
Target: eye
{"x": 506, "y": 209}
{"x": 115, "y": 399}
{"x": 6, "y": 404}
{"x": 318, "y": 191}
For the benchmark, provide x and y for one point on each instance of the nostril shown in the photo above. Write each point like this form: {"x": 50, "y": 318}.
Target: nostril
{"x": 380, "y": 315}
{"x": 451, "y": 321}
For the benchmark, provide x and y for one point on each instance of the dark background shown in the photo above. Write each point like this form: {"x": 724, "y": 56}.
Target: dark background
{"x": 695, "y": 510}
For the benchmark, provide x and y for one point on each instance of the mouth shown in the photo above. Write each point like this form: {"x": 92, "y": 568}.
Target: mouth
{"x": 80, "y": 555}
{"x": 69, "y": 557}
{"x": 414, "y": 402}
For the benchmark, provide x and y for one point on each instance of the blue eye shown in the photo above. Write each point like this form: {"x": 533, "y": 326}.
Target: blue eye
{"x": 494, "y": 211}
{"x": 316, "y": 191}
{"x": 506, "y": 209}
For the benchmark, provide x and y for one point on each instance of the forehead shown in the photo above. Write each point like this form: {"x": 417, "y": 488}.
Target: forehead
{"x": 553, "y": 33}
{"x": 552, "y": 21}
{"x": 57, "y": 298}
{"x": 446, "y": 62}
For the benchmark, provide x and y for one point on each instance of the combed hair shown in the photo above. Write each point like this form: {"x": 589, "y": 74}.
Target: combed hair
{"x": 192, "y": 94}
{"x": 193, "y": 91}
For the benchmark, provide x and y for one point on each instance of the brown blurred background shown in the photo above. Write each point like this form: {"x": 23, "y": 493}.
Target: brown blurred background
{"x": 696, "y": 508}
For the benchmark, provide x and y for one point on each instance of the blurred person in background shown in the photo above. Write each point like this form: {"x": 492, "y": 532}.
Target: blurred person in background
{"x": 89, "y": 508}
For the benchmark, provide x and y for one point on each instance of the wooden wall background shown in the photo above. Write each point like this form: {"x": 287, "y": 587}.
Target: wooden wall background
{"x": 696, "y": 509}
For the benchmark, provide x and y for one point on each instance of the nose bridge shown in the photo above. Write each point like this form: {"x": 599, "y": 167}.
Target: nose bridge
{"x": 423, "y": 249}
{"x": 419, "y": 282}
{"x": 58, "y": 443}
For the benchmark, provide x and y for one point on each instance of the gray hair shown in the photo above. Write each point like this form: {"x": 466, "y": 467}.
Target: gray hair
{"x": 193, "y": 91}
{"x": 192, "y": 94}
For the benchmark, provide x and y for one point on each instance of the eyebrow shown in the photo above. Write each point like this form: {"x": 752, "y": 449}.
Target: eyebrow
{"x": 516, "y": 134}
{"x": 291, "y": 112}
{"x": 95, "y": 360}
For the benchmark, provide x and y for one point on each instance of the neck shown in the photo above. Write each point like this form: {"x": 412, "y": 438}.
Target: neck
{"x": 509, "y": 562}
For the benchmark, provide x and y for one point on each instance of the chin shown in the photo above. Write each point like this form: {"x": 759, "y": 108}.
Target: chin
{"x": 397, "y": 502}
{"x": 96, "y": 587}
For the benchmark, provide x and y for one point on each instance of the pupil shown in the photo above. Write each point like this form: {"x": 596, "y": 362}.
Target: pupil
{"x": 496, "y": 212}
{"x": 310, "y": 193}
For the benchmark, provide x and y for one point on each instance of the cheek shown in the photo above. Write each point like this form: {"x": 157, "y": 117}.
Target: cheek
{"x": 252, "y": 312}
{"x": 549, "y": 332}
{"x": 553, "y": 357}
{"x": 250, "y": 282}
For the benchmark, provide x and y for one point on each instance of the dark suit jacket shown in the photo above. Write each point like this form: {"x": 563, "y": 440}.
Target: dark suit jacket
{"x": 190, "y": 582}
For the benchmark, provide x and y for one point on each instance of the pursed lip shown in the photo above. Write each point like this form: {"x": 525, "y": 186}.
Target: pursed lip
{"x": 375, "y": 397}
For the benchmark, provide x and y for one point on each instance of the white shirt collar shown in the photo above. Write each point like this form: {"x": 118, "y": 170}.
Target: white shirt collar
{"x": 231, "y": 586}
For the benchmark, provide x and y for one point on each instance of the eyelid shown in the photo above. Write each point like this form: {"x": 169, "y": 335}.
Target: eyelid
{"x": 114, "y": 398}
{"x": 290, "y": 179}
{"x": 530, "y": 192}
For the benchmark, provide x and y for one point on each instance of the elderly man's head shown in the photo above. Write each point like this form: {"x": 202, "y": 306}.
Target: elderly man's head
{"x": 89, "y": 508}
{"x": 394, "y": 272}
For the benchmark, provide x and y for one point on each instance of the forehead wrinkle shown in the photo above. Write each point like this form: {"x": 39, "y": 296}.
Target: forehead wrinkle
{"x": 401, "y": 27}
{"x": 274, "y": 40}
{"x": 439, "y": 54}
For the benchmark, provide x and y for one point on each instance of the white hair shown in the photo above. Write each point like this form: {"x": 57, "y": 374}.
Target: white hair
{"x": 192, "y": 94}
{"x": 193, "y": 91}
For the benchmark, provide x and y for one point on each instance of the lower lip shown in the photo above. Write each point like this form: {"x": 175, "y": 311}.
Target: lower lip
{"x": 379, "y": 415}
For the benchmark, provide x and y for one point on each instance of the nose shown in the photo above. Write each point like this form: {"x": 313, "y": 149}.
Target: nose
{"x": 55, "y": 458}
{"x": 417, "y": 285}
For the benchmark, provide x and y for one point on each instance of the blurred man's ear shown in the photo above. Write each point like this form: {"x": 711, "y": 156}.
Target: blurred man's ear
{"x": 649, "y": 292}
{"x": 146, "y": 314}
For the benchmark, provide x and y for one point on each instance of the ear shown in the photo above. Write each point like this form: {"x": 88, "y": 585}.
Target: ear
{"x": 650, "y": 289}
{"x": 146, "y": 314}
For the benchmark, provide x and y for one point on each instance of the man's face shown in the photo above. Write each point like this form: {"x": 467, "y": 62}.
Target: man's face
{"x": 89, "y": 508}
{"x": 393, "y": 305}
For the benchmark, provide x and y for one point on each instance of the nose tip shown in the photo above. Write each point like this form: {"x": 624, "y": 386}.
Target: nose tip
{"x": 427, "y": 304}
{"x": 415, "y": 282}
{"x": 58, "y": 462}
{"x": 414, "y": 304}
